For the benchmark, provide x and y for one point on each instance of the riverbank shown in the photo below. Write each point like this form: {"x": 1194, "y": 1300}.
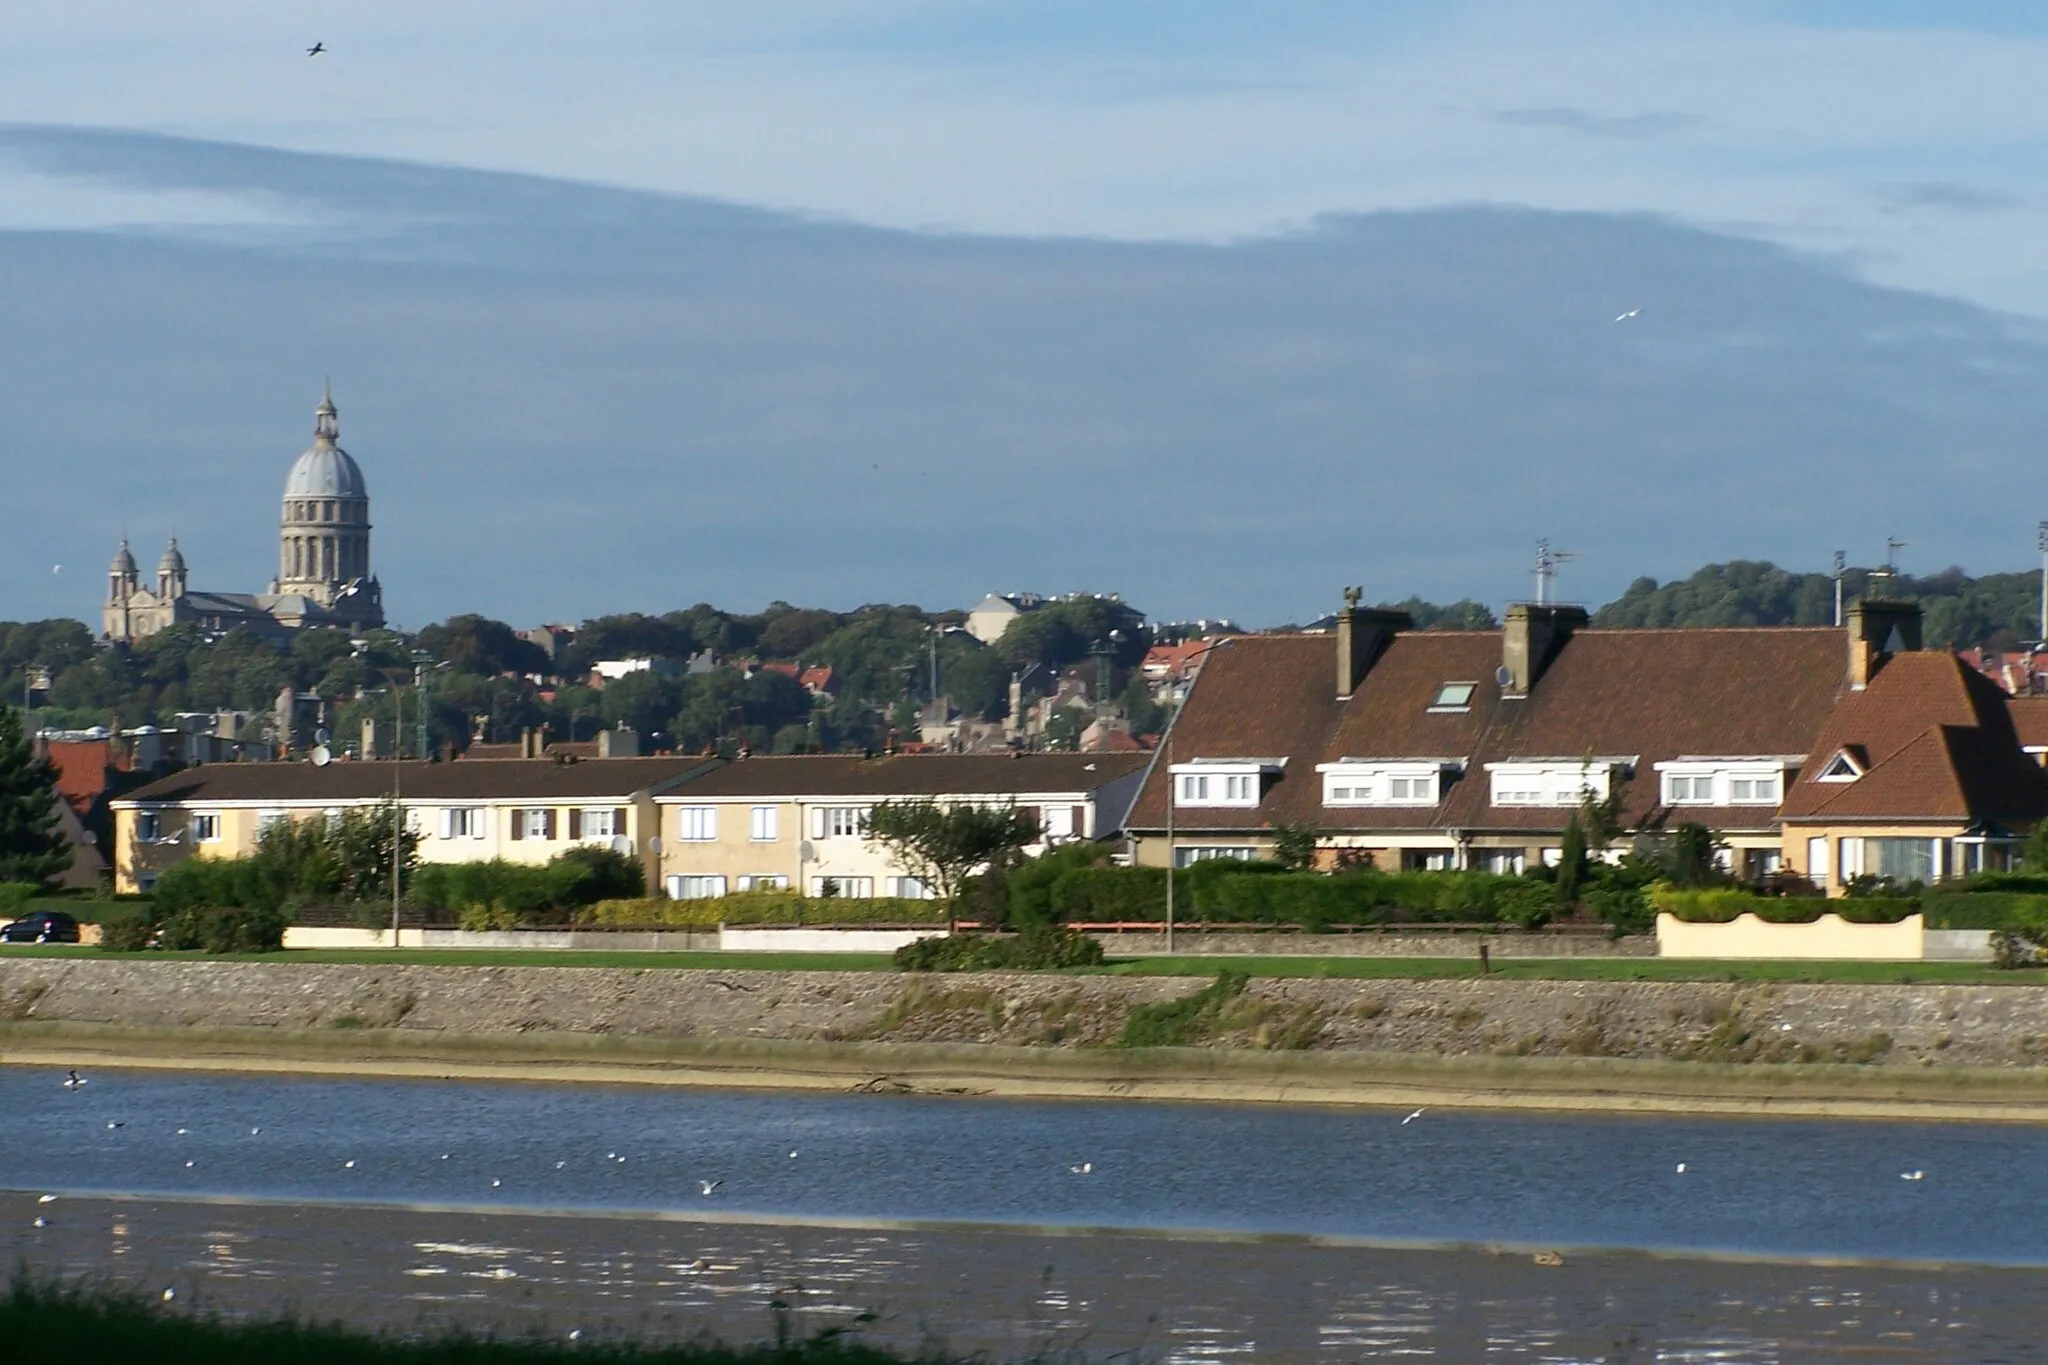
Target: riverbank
{"x": 1744, "y": 1047}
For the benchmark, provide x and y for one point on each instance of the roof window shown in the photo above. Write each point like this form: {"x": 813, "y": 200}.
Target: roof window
{"x": 1454, "y": 696}
{"x": 1843, "y": 767}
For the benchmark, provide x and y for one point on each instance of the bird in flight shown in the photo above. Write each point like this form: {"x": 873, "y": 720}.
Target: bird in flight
{"x": 316, "y": 49}
{"x": 709, "y": 1186}
{"x": 1629, "y": 314}
{"x": 1411, "y": 1118}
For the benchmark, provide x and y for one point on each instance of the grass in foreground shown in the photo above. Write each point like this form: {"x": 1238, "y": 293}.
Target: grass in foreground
{"x": 1188, "y": 964}
{"x": 41, "y": 1325}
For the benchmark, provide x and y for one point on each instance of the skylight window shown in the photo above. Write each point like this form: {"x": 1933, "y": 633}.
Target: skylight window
{"x": 1454, "y": 696}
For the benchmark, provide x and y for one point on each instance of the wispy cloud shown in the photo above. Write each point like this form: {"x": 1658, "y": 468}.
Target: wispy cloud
{"x": 1945, "y": 196}
{"x": 1656, "y": 123}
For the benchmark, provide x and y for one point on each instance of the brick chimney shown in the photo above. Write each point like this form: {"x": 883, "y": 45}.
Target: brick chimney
{"x": 1877, "y": 630}
{"x": 1363, "y": 634}
{"x": 1532, "y": 637}
{"x": 369, "y": 744}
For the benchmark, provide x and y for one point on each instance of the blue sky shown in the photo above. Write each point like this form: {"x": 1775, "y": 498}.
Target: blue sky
{"x": 1907, "y": 137}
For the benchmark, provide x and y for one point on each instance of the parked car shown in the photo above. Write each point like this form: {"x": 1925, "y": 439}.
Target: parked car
{"x": 44, "y": 926}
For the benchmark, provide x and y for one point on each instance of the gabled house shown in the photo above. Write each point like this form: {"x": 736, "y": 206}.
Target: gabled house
{"x": 1474, "y": 749}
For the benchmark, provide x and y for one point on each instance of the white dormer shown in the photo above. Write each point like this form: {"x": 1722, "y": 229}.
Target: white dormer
{"x": 1386, "y": 781}
{"x": 1554, "y": 781}
{"x": 1237, "y": 782}
{"x": 1740, "y": 780}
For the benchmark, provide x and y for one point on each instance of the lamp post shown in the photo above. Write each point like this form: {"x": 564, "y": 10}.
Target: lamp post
{"x": 2041, "y": 543}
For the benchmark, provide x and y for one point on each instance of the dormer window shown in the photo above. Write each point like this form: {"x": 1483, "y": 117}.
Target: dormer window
{"x": 1843, "y": 767}
{"x": 1553, "y": 782}
{"x": 1386, "y": 782}
{"x": 1454, "y": 697}
{"x": 1239, "y": 782}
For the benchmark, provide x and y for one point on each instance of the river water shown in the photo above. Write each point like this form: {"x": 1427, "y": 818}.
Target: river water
{"x": 1172, "y": 1231}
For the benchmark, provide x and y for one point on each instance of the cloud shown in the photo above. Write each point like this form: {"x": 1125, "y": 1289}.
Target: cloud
{"x": 1946, "y": 196}
{"x": 1657, "y": 123}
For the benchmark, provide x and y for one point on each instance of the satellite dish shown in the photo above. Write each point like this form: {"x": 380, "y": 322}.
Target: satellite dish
{"x": 1503, "y": 675}
{"x": 322, "y": 735}
{"x": 805, "y": 853}
{"x": 622, "y": 846}
{"x": 654, "y": 843}
{"x": 321, "y": 756}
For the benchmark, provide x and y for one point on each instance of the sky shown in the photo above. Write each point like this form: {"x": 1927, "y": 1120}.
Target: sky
{"x": 1190, "y": 146}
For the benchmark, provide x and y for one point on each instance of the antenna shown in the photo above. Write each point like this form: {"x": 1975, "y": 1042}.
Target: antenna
{"x": 1891, "y": 554}
{"x": 1842, "y": 567}
{"x": 1547, "y": 561}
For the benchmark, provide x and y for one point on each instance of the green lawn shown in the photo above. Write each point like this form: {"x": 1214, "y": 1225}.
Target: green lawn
{"x": 1340, "y": 968}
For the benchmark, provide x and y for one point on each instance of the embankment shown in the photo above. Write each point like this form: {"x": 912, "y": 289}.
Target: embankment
{"x": 1698, "y": 1046}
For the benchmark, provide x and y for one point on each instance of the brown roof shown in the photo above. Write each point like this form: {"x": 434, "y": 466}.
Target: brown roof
{"x": 913, "y": 774}
{"x": 1652, "y": 695}
{"x": 488, "y": 780}
{"x": 1937, "y": 741}
{"x": 2030, "y": 717}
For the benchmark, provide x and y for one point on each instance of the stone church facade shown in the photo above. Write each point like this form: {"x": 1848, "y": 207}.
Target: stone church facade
{"x": 323, "y": 560}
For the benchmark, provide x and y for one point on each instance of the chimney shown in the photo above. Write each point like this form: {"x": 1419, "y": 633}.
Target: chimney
{"x": 622, "y": 742}
{"x": 1534, "y": 634}
{"x": 532, "y": 742}
{"x": 1877, "y": 630}
{"x": 1363, "y": 634}
{"x": 369, "y": 747}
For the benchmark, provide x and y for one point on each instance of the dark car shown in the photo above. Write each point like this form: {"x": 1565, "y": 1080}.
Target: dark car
{"x": 44, "y": 926}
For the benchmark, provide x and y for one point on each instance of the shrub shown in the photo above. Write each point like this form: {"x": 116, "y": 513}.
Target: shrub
{"x": 14, "y": 896}
{"x": 224, "y": 929}
{"x": 1720, "y": 905}
{"x": 2014, "y": 911}
{"x": 128, "y": 929}
{"x": 585, "y": 876}
{"x": 1179, "y": 1023}
{"x": 1030, "y": 885}
{"x": 1112, "y": 895}
{"x": 1527, "y": 905}
{"x": 1042, "y": 947}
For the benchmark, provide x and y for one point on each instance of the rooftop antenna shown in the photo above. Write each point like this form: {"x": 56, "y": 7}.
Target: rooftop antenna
{"x": 2041, "y": 543}
{"x": 1842, "y": 567}
{"x": 1547, "y": 561}
{"x": 1892, "y": 546}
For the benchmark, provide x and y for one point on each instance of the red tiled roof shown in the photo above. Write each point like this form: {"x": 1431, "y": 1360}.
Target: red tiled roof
{"x": 82, "y": 766}
{"x": 1937, "y": 741}
{"x": 888, "y": 775}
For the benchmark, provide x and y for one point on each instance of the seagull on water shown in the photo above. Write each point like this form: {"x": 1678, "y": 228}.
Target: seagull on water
{"x": 72, "y": 1080}
{"x": 1085, "y": 1168}
{"x": 117, "y": 1125}
{"x": 316, "y": 49}
{"x": 42, "y": 1222}
{"x": 1912, "y": 1175}
{"x": 170, "y": 1294}
{"x": 1629, "y": 314}
{"x": 1412, "y": 1117}
{"x": 1681, "y": 1168}
{"x": 47, "y": 1199}
{"x": 708, "y": 1186}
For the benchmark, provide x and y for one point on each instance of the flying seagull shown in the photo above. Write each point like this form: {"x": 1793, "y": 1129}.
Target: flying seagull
{"x": 316, "y": 49}
{"x": 1629, "y": 314}
{"x": 708, "y": 1186}
{"x": 1411, "y": 1118}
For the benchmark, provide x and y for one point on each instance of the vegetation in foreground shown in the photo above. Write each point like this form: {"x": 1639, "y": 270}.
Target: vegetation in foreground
{"x": 42, "y": 1324}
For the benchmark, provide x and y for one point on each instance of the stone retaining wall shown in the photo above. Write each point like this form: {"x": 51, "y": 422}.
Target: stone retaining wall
{"x": 1884, "y": 1025}
{"x": 1466, "y": 945}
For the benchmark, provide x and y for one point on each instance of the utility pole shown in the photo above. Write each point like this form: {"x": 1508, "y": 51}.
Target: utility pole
{"x": 1842, "y": 567}
{"x": 2041, "y": 543}
{"x": 397, "y": 810}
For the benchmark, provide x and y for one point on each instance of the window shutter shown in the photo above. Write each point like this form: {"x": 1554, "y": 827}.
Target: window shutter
{"x": 618, "y": 822}
{"x": 817, "y": 822}
{"x": 476, "y": 822}
{"x": 447, "y": 824}
{"x": 575, "y": 822}
{"x": 548, "y": 824}
{"x": 1081, "y": 830}
{"x": 519, "y": 824}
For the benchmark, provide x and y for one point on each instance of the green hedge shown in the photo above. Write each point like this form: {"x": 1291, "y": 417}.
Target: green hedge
{"x": 15, "y": 896}
{"x": 1220, "y": 891}
{"x": 2015, "y": 911}
{"x": 1042, "y": 947}
{"x": 1721, "y": 904}
{"x": 765, "y": 907}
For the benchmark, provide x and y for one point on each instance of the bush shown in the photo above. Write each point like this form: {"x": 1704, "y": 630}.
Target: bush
{"x": 1030, "y": 885}
{"x": 1720, "y": 905}
{"x": 497, "y": 894}
{"x": 1042, "y": 947}
{"x": 1179, "y": 1023}
{"x": 128, "y": 929}
{"x": 1528, "y": 905}
{"x": 2013, "y": 911}
{"x": 762, "y": 907}
{"x": 224, "y": 929}
{"x": 14, "y": 896}
{"x": 585, "y": 876}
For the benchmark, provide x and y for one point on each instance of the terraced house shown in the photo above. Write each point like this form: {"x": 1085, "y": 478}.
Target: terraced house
{"x": 1474, "y": 749}
{"x": 799, "y": 823}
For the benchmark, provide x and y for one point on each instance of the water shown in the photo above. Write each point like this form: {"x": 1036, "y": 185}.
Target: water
{"x": 1774, "y": 1188}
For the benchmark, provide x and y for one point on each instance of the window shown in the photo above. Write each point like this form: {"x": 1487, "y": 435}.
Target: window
{"x": 1502, "y": 860}
{"x": 598, "y": 824}
{"x": 1410, "y": 789}
{"x": 1428, "y": 860}
{"x": 1680, "y": 789}
{"x": 146, "y": 881}
{"x": 1240, "y": 787}
{"x": 1057, "y": 822}
{"x": 205, "y": 828}
{"x": 697, "y": 824}
{"x": 538, "y": 823}
{"x": 1817, "y": 860}
{"x": 764, "y": 882}
{"x": 1198, "y": 853}
{"x": 837, "y": 822}
{"x": 148, "y": 827}
{"x": 1194, "y": 787}
{"x": 761, "y": 825}
{"x": 910, "y": 888}
{"x": 1903, "y": 860}
{"x": 1222, "y": 782}
{"x": 1454, "y": 696}
{"x": 267, "y": 818}
{"x": 462, "y": 822}
{"x": 852, "y": 888}
{"x": 1552, "y": 783}
{"x": 695, "y": 888}
{"x": 1753, "y": 791}
{"x": 1843, "y": 767}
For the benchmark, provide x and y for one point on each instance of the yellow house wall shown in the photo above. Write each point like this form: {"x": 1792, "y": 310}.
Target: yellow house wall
{"x": 1828, "y": 877}
{"x": 1829, "y": 938}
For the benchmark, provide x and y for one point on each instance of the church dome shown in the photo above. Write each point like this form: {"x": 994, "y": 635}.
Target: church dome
{"x": 325, "y": 470}
{"x": 124, "y": 562}
{"x": 173, "y": 561}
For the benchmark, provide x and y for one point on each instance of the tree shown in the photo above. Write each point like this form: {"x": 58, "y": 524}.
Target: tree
{"x": 1571, "y": 861}
{"x": 362, "y": 843}
{"x": 1294, "y": 845}
{"x": 31, "y": 847}
{"x": 941, "y": 845}
{"x": 1691, "y": 861}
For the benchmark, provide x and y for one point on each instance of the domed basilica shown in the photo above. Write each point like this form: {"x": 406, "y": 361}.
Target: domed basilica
{"x": 323, "y": 560}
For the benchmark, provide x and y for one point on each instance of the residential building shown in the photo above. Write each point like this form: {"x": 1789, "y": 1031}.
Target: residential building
{"x": 1925, "y": 773}
{"x": 798, "y": 822}
{"x": 1473, "y": 749}
{"x": 990, "y": 617}
{"x": 470, "y": 810}
{"x": 323, "y": 576}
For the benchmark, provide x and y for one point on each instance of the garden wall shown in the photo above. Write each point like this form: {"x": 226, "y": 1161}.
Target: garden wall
{"x": 1828, "y": 938}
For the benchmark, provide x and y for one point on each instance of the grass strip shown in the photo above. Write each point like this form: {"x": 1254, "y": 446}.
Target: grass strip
{"x": 40, "y": 1323}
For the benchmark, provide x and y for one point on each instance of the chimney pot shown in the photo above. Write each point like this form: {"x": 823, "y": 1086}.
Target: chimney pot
{"x": 1878, "y": 629}
{"x": 1363, "y": 634}
{"x": 1531, "y": 637}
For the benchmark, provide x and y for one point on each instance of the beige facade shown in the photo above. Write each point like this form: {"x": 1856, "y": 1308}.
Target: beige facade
{"x": 1829, "y": 855}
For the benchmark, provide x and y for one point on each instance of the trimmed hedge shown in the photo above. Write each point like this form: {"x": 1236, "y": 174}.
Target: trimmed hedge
{"x": 1721, "y": 904}
{"x": 2013, "y": 911}
{"x": 1227, "y": 892}
{"x": 15, "y": 896}
{"x": 764, "y": 907}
